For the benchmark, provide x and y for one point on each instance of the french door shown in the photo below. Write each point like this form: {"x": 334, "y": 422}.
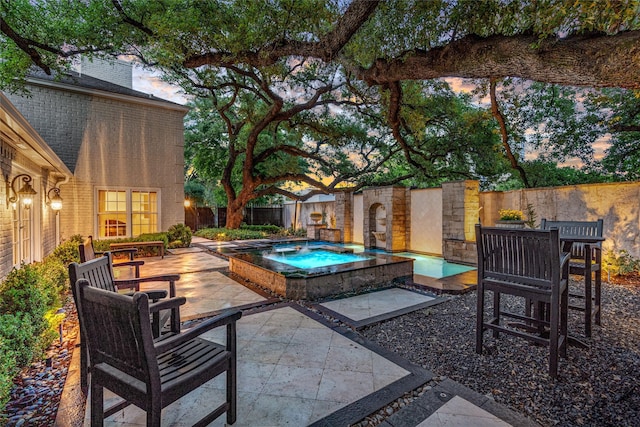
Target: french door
{"x": 22, "y": 235}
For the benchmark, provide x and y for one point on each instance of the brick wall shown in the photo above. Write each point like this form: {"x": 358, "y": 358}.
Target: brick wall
{"x": 109, "y": 142}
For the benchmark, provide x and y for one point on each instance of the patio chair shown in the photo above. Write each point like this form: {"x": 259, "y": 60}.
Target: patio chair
{"x": 147, "y": 373}
{"x": 525, "y": 264}
{"x": 99, "y": 272}
{"x": 590, "y": 300}
{"x": 87, "y": 253}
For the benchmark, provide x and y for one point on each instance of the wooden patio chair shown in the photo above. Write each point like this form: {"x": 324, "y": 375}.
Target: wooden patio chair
{"x": 589, "y": 301}
{"x": 147, "y": 373}
{"x": 527, "y": 264}
{"x": 99, "y": 272}
{"x": 87, "y": 253}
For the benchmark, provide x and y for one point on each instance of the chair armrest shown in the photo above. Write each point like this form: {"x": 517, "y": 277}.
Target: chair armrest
{"x": 153, "y": 294}
{"x": 130, "y": 251}
{"x": 226, "y": 318}
{"x": 128, "y": 263}
{"x": 156, "y": 294}
{"x": 565, "y": 257}
{"x": 159, "y": 278}
{"x": 167, "y": 304}
{"x": 132, "y": 283}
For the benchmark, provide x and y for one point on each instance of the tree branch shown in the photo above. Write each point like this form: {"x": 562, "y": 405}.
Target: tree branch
{"x": 594, "y": 60}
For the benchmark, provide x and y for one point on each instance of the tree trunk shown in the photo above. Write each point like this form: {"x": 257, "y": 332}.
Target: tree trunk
{"x": 234, "y": 216}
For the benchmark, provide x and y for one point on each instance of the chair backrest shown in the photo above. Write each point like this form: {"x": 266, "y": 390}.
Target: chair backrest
{"x": 98, "y": 271}
{"x": 87, "y": 253}
{"x": 575, "y": 228}
{"x": 118, "y": 331}
{"x": 524, "y": 256}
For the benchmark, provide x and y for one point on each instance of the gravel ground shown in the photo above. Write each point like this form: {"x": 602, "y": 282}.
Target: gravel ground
{"x": 598, "y": 386}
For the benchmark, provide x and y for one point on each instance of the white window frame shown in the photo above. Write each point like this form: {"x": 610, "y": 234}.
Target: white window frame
{"x": 129, "y": 211}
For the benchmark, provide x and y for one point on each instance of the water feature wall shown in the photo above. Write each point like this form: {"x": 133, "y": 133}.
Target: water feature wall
{"x": 386, "y": 218}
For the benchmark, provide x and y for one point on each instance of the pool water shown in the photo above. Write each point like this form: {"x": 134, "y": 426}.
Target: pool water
{"x": 425, "y": 265}
{"x": 306, "y": 259}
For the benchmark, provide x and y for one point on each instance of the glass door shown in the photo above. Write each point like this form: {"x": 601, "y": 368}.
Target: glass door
{"x": 22, "y": 224}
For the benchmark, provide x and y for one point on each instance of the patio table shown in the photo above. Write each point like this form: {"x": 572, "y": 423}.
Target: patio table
{"x": 567, "y": 241}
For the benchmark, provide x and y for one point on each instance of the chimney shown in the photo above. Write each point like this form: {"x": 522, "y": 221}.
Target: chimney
{"x": 113, "y": 71}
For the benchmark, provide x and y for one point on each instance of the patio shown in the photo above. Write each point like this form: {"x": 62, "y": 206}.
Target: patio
{"x": 305, "y": 364}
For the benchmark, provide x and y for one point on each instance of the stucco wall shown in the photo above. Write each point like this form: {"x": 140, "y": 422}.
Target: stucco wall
{"x": 358, "y": 219}
{"x": 111, "y": 143}
{"x": 426, "y": 220}
{"x": 618, "y": 204}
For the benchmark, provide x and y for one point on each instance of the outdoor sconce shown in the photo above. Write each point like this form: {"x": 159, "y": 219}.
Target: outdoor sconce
{"x": 56, "y": 201}
{"x": 25, "y": 194}
{"x": 187, "y": 203}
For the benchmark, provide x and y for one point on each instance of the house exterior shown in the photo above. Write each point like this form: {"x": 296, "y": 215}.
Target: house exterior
{"x": 115, "y": 154}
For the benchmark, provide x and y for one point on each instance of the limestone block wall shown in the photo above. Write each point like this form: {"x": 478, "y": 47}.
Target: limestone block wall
{"x": 344, "y": 215}
{"x": 392, "y": 201}
{"x": 618, "y": 204}
{"x": 460, "y": 207}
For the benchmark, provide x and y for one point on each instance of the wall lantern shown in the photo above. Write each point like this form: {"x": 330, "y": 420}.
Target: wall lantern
{"x": 187, "y": 203}
{"x": 26, "y": 192}
{"x": 54, "y": 201}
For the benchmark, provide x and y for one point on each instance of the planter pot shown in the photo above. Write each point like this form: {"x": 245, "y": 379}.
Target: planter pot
{"x": 510, "y": 223}
{"x": 315, "y": 216}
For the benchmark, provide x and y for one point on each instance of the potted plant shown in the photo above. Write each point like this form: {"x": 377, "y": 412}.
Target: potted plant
{"x": 510, "y": 218}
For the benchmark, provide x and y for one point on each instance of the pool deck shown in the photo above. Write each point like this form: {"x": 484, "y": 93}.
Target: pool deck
{"x": 302, "y": 364}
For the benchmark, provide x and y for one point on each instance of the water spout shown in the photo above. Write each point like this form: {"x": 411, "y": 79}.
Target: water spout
{"x": 380, "y": 235}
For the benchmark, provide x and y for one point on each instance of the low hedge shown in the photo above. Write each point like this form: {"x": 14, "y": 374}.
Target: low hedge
{"x": 226, "y": 234}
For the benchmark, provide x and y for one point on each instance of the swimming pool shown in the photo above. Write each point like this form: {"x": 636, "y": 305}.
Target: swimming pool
{"x": 426, "y": 265}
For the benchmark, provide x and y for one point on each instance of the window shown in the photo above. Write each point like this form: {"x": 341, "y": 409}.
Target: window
{"x": 123, "y": 213}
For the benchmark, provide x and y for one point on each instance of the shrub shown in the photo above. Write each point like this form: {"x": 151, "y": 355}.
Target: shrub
{"x": 226, "y": 234}
{"x": 29, "y": 299}
{"x": 620, "y": 262}
{"x": 267, "y": 228}
{"x": 55, "y": 280}
{"x": 8, "y": 367}
{"x": 179, "y": 233}
{"x": 103, "y": 245}
{"x": 21, "y": 292}
{"x": 67, "y": 252}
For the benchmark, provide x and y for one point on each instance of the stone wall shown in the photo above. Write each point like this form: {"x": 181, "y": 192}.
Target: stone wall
{"x": 460, "y": 207}
{"x": 392, "y": 201}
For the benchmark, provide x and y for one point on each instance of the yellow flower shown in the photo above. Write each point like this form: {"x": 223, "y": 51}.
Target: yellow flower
{"x": 510, "y": 215}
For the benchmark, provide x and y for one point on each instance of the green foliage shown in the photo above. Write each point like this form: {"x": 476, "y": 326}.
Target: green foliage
{"x": 179, "y": 233}
{"x": 620, "y": 262}
{"x": 23, "y": 292}
{"x": 267, "y": 228}
{"x": 226, "y": 234}
{"x": 103, "y": 244}
{"x": 29, "y": 299}
{"x": 67, "y": 252}
{"x": 8, "y": 364}
{"x": 531, "y": 216}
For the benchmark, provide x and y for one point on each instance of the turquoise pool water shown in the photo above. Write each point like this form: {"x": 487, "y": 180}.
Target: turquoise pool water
{"x": 425, "y": 265}
{"x": 306, "y": 259}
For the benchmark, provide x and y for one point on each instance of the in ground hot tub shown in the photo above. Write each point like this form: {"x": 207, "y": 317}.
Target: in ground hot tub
{"x": 311, "y": 273}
